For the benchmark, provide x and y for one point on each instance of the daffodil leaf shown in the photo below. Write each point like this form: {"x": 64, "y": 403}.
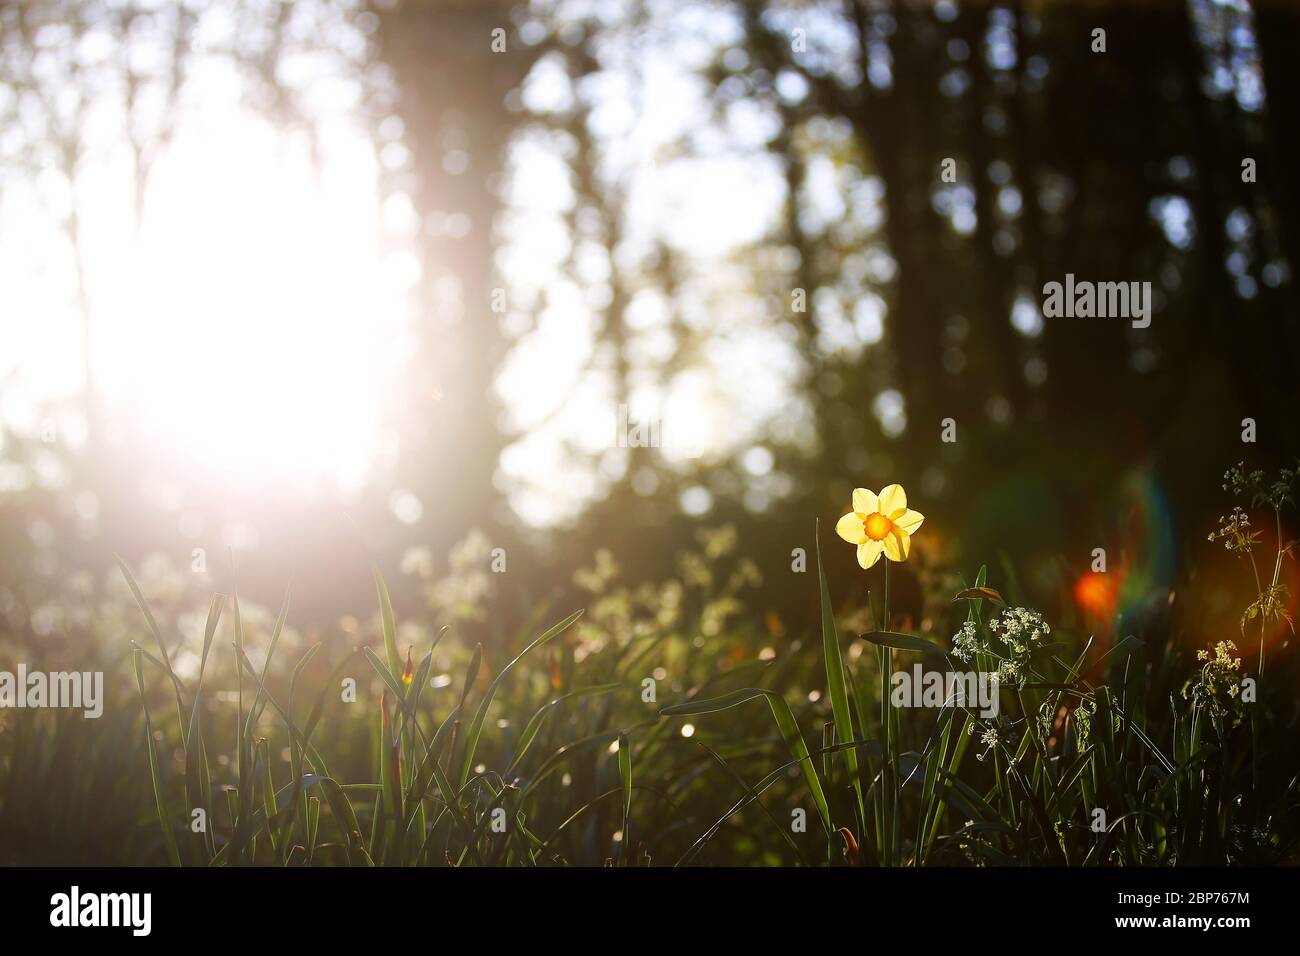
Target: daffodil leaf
{"x": 976, "y": 593}
{"x": 903, "y": 642}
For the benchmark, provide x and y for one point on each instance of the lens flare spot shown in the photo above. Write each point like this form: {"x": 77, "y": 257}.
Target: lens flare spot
{"x": 1094, "y": 592}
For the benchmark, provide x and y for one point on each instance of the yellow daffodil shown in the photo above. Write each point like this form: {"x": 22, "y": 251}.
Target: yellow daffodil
{"x": 880, "y": 524}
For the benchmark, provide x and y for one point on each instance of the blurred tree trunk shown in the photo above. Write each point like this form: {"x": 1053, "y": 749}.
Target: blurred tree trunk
{"x": 452, "y": 101}
{"x": 1277, "y": 29}
{"x": 889, "y": 124}
{"x": 992, "y": 277}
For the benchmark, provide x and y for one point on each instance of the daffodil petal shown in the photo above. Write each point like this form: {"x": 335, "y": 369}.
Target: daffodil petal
{"x": 909, "y": 521}
{"x": 864, "y": 501}
{"x": 892, "y": 500}
{"x": 851, "y": 529}
{"x": 893, "y": 550}
{"x": 869, "y": 552}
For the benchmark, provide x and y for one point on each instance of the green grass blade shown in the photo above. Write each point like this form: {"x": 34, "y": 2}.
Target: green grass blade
{"x": 388, "y": 624}
{"x": 835, "y": 684}
{"x": 157, "y": 636}
{"x": 160, "y": 801}
{"x": 625, "y": 779}
{"x": 535, "y": 724}
{"x": 476, "y": 725}
{"x": 346, "y": 818}
{"x": 785, "y": 722}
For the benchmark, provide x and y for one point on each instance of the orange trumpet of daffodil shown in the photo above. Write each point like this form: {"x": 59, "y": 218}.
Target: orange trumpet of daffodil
{"x": 880, "y": 524}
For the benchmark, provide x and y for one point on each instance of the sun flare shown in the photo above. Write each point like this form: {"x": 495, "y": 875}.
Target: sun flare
{"x": 250, "y": 326}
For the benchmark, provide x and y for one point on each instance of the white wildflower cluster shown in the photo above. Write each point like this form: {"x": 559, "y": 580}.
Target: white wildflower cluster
{"x": 1020, "y": 630}
{"x": 990, "y": 737}
{"x": 1017, "y": 631}
{"x": 1219, "y": 682}
{"x": 966, "y": 643}
{"x": 1018, "y": 626}
{"x": 1235, "y": 532}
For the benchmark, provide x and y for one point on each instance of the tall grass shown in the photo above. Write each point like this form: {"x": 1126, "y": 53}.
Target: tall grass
{"x": 668, "y": 724}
